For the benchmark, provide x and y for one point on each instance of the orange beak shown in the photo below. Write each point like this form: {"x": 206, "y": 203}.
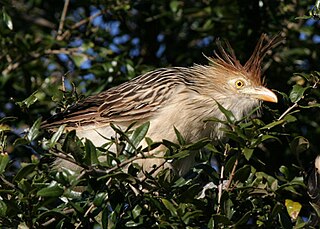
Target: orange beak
{"x": 261, "y": 93}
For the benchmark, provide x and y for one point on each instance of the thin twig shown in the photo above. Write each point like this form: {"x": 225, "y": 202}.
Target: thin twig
{"x": 66, "y": 157}
{"x": 62, "y": 19}
{"x": 314, "y": 86}
{"x": 89, "y": 209}
{"x": 8, "y": 183}
{"x": 288, "y": 110}
{"x": 80, "y": 23}
{"x": 67, "y": 211}
{"x": 232, "y": 174}
{"x": 220, "y": 187}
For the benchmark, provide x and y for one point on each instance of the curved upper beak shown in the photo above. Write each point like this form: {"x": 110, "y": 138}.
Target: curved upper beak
{"x": 261, "y": 93}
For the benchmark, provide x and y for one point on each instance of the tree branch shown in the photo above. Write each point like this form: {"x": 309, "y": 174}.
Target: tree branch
{"x": 62, "y": 19}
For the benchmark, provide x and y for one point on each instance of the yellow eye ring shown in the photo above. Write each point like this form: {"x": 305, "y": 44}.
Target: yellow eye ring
{"x": 239, "y": 84}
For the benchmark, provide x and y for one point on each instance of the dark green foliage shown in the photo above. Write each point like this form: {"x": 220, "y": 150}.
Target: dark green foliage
{"x": 46, "y": 69}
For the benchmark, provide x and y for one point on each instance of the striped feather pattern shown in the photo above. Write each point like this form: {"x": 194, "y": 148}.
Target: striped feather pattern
{"x": 174, "y": 97}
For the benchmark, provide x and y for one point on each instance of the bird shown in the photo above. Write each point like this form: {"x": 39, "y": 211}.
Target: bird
{"x": 181, "y": 98}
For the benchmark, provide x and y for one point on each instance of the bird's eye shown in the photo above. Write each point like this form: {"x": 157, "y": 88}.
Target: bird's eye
{"x": 239, "y": 84}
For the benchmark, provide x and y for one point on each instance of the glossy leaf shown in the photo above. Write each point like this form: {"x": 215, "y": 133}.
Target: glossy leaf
{"x": 4, "y": 160}
{"x": 297, "y": 93}
{"x": 228, "y": 114}
{"x": 138, "y": 135}
{"x": 55, "y": 137}
{"x": 53, "y": 190}
{"x": 34, "y": 130}
{"x": 293, "y": 208}
{"x": 169, "y": 206}
{"x": 3, "y": 208}
{"x": 247, "y": 153}
{"x": 7, "y": 19}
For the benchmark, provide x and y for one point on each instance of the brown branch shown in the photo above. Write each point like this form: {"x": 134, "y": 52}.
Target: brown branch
{"x": 67, "y": 211}
{"x": 80, "y": 23}
{"x": 232, "y": 174}
{"x": 11, "y": 185}
{"x": 62, "y": 19}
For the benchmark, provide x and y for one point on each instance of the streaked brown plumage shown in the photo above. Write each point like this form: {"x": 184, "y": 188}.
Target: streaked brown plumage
{"x": 175, "y": 97}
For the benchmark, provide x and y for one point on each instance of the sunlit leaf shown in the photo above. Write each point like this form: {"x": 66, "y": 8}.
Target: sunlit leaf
{"x": 4, "y": 160}
{"x": 91, "y": 157}
{"x": 272, "y": 124}
{"x": 24, "y": 172}
{"x": 138, "y": 135}
{"x": 136, "y": 211}
{"x": 297, "y": 93}
{"x": 53, "y": 190}
{"x": 34, "y": 97}
{"x": 169, "y": 206}
{"x": 247, "y": 153}
{"x": 228, "y": 114}
{"x": 293, "y": 208}
{"x": 34, "y": 130}
{"x": 3, "y": 209}
{"x": 7, "y": 19}
{"x": 55, "y": 137}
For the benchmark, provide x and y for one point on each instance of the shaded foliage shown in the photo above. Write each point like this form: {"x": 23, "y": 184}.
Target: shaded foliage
{"x": 49, "y": 62}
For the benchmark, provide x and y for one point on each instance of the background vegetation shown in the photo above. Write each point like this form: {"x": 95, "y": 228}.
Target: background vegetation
{"x": 94, "y": 45}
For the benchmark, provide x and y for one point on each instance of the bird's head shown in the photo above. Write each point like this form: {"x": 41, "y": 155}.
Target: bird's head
{"x": 233, "y": 80}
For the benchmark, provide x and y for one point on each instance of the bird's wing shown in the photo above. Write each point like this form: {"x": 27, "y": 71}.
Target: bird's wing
{"x": 134, "y": 100}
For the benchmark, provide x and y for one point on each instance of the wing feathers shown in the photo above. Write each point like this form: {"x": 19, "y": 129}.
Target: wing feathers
{"x": 134, "y": 100}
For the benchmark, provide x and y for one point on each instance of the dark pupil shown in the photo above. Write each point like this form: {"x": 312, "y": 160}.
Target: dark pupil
{"x": 239, "y": 84}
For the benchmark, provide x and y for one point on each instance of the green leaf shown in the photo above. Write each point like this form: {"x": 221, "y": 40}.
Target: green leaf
{"x": 174, "y": 6}
{"x": 53, "y": 190}
{"x": 91, "y": 157}
{"x": 34, "y": 97}
{"x": 304, "y": 17}
{"x": 136, "y": 211}
{"x": 293, "y": 208}
{"x": 131, "y": 223}
{"x": 299, "y": 144}
{"x": 285, "y": 171}
{"x": 199, "y": 144}
{"x": 243, "y": 173}
{"x": 100, "y": 199}
{"x": 247, "y": 153}
{"x": 218, "y": 219}
{"x": 181, "y": 154}
{"x": 34, "y": 130}
{"x": 72, "y": 145}
{"x": 244, "y": 219}
{"x": 289, "y": 118}
{"x": 316, "y": 208}
{"x": 7, "y": 19}
{"x": 4, "y": 160}
{"x": 79, "y": 59}
{"x": 3, "y": 209}
{"x": 311, "y": 105}
{"x": 24, "y": 172}
{"x": 179, "y": 136}
{"x": 297, "y": 93}
{"x": 56, "y": 136}
{"x": 169, "y": 206}
{"x": 272, "y": 124}
{"x": 229, "y": 115}
{"x": 138, "y": 135}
